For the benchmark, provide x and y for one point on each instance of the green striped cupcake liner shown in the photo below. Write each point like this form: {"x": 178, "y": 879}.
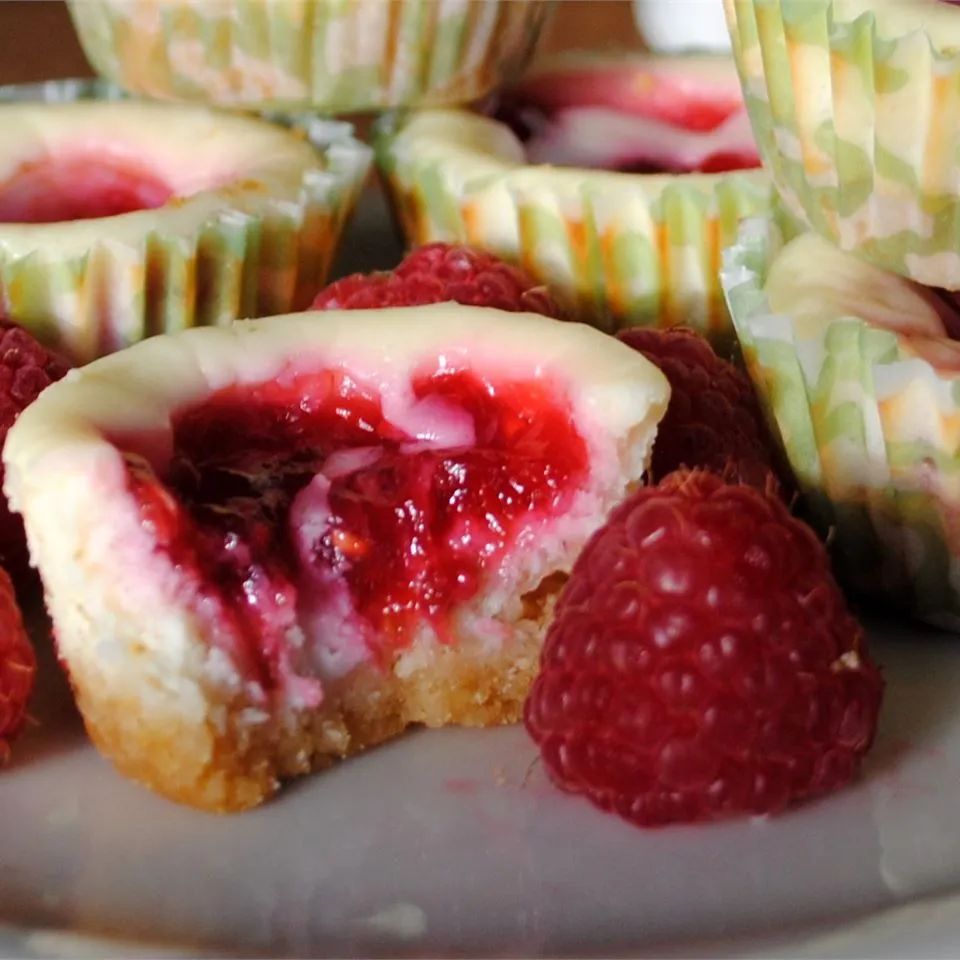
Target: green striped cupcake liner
{"x": 855, "y": 107}
{"x": 871, "y": 429}
{"x": 616, "y": 249}
{"x": 258, "y": 243}
{"x": 336, "y": 56}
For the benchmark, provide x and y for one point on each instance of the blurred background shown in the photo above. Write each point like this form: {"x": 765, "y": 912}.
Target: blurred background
{"x": 37, "y": 41}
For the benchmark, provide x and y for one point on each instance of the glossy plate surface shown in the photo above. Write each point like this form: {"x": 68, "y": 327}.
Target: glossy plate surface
{"x": 453, "y": 843}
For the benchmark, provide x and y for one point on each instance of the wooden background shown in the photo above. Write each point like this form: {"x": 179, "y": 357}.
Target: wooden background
{"x": 37, "y": 41}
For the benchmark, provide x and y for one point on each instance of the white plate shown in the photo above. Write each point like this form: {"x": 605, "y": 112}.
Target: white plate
{"x": 453, "y": 842}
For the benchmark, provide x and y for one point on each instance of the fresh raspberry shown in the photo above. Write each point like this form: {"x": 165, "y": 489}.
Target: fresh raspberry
{"x": 702, "y": 662}
{"x": 713, "y": 420}
{"x": 437, "y": 273}
{"x": 17, "y": 667}
{"x": 26, "y": 368}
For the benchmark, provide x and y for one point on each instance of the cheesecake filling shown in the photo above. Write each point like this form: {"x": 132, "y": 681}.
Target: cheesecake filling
{"x": 623, "y": 118}
{"x": 814, "y": 282}
{"x": 83, "y": 184}
{"x": 328, "y": 521}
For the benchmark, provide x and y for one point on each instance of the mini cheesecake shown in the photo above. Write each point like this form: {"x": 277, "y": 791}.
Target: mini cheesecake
{"x": 615, "y": 180}
{"x": 859, "y": 368}
{"x": 330, "y": 56}
{"x": 635, "y": 114}
{"x": 322, "y": 528}
{"x": 119, "y": 220}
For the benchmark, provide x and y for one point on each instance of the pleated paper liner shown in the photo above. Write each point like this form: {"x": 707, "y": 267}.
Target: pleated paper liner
{"x": 871, "y": 430}
{"x": 240, "y": 250}
{"x": 617, "y": 249}
{"x": 859, "y": 131}
{"x": 335, "y": 56}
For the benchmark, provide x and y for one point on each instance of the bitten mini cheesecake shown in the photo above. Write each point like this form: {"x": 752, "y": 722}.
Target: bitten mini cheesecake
{"x": 322, "y": 528}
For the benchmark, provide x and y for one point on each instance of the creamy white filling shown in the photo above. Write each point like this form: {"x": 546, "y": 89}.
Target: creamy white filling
{"x": 337, "y": 640}
{"x": 429, "y": 420}
{"x": 812, "y": 280}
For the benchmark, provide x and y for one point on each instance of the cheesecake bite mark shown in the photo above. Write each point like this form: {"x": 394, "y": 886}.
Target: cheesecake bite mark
{"x": 84, "y": 184}
{"x": 329, "y": 523}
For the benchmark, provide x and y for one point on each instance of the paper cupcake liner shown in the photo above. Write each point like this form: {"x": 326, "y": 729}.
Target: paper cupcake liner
{"x": 238, "y": 253}
{"x": 337, "y": 56}
{"x": 616, "y": 249}
{"x": 871, "y": 430}
{"x": 858, "y": 127}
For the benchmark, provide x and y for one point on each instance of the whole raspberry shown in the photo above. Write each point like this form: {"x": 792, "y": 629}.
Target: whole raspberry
{"x": 713, "y": 420}
{"x": 17, "y": 667}
{"x": 26, "y": 368}
{"x": 437, "y": 273}
{"x": 702, "y": 662}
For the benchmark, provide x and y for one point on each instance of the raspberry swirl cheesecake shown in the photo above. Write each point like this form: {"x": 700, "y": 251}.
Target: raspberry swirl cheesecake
{"x": 322, "y": 528}
{"x": 616, "y": 180}
{"x": 635, "y": 115}
{"x": 119, "y": 220}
